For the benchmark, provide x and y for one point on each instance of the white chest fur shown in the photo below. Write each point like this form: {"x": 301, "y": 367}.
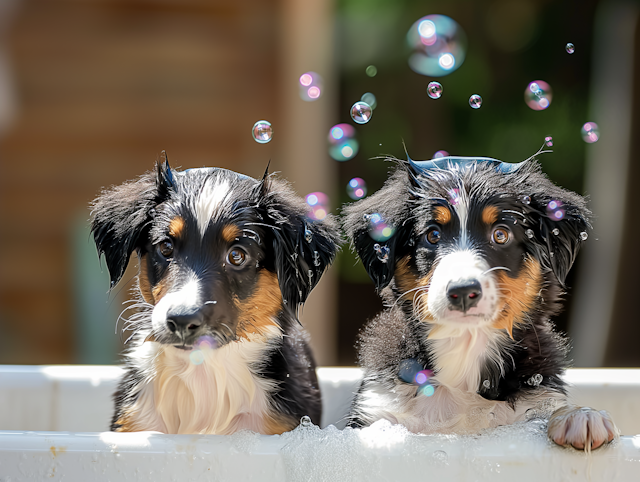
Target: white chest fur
{"x": 220, "y": 395}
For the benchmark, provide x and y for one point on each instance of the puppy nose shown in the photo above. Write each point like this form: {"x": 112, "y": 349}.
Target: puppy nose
{"x": 464, "y": 294}
{"x": 184, "y": 324}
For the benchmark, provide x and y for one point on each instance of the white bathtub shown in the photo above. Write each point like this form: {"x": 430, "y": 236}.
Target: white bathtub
{"x": 53, "y": 421}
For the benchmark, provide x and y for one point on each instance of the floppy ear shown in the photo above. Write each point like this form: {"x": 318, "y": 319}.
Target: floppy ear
{"x": 392, "y": 205}
{"x": 560, "y": 223}
{"x": 121, "y": 215}
{"x": 302, "y": 248}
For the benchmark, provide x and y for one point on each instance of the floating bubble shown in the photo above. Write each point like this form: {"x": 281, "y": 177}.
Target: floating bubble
{"x": 342, "y": 143}
{"x": 475, "y": 101}
{"x": 357, "y": 188}
{"x": 556, "y": 231}
{"x": 311, "y": 86}
{"x": 306, "y": 421}
{"x": 538, "y": 95}
{"x": 570, "y": 48}
{"x": 486, "y": 384}
{"x": 206, "y": 343}
{"x": 382, "y": 252}
{"x": 590, "y": 132}
{"x": 422, "y": 377}
{"x": 438, "y": 45}
{"x": 427, "y": 390}
{"x": 583, "y": 236}
{"x": 408, "y": 369}
{"x": 548, "y": 141}
{"x": 434, "y": 90}
{"x": 262, "y": 131}
{"x": 196, "y": 357}
{"x": 361, "y": 112}
{"x": 369, "y": 98}
{"x": 440, "y": 154}
{"x": 379, "y": 229}
{"x": 318, "y": 203}
{"x": 529, "y": 233}
{"x": 555, "y": 211}
{"x": 371, "y": 70}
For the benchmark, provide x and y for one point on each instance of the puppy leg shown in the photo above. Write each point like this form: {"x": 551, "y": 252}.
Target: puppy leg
{"x": 581, "y": 427}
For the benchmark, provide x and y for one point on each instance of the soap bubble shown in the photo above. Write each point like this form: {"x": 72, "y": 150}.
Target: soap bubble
{"x": 196, "y": 357}
{"x": 440, "y": 154}
{"x": 475, "y": 101}
{"x": 427, "y": 390}
{"x": 590, "y": 132}
{"x": 570, "y": 48}
{"x": 342, "y": 142}
{"x": 584, "y": 236}
{"x": 548, "y": 141}
{"x": 262, "y": 131}
{"x": 382, "y": 252}
{"x": 434, "y": 90}
{"x": 371, "y": 70}
{"x": 538, "y": 95}
{"x": 357, "y": 188}
{"x": 361, "y": 112}
{"x": 438, "y": 45}
{"x": 318, "y": 203}
{"x": 378, "y": 228}
{"x": 311, "y": 86}
{"x": 369, "y": 98}
{"x": 555, "y": 210}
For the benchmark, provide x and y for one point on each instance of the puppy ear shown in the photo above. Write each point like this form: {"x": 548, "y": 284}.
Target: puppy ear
{"x": 560, "y": 224}
{"x": 362, "y": 222}
{"x": 120, "y": 216}
{"x": 302, "y": 248}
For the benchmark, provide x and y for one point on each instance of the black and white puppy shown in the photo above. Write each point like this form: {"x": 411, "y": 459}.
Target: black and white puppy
{"x": 472, "y": 269}
{"x": 225, "y": 261}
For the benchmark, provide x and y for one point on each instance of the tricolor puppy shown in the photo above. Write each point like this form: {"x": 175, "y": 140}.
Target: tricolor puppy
{"x": 225, "y": 261}
{"x": 472, "y": 273}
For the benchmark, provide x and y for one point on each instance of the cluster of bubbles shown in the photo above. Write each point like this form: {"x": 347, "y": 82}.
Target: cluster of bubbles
{"x": 262, "y": 131}
{"x": 555, "y": 211}
{"x": 538, "y": 95}
{"x": 357, "y": 188}
{"x": 438, "y": 45}
{"x": 590, "y": 132}
{"x": 475, "y": 101}
{"x": 570, "y": 48}
{"x": 361, "y": 112}
{"x": 311, "y": 86}
{"x": 440, "y": 154}
{"x": 200, "y": 348}
{"x": 434, "y": 90}
{"x": 318, "y": 203}
{"x": 535, "y": 380}
{"x": 548, "y": 141}
{"x": 378, "y": 228}
{"x": 411, "y": 371}
{"x": 342, "y": 142}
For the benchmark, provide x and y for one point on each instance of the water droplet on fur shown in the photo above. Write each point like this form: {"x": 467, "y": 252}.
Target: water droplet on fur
{"x": 535, "y": 380}
{"x": 551, "y": 254}
{"x": 486, "y": 384}
{"x": 306, "y": 421}
{"x": 310, "y": 273}
{"x": 440, "y": 457}
{"x": 382, "y": 252}
{"x": 366, "y": 217}
{"x": 530, "y": 414}
{"x": 529, "y": 233}
{"x": 308, "y": 235}
{"x": 316, "y": 258}
{"x": 583, "y": 236}
{"x": 548, "y": 141}
{"x": 526, "y": 199}
{"x": 556, "y": 231}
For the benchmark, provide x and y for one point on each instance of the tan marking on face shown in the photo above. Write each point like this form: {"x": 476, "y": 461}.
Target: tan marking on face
{"x": 490, "y": 215}
{"x": 518, "y": 295}
{"x": 276, "y": 423}
{"x": 176, "y": 227}
{"x": 405, "y": 279}
{"x": 258, "y": 312}
{"x": 230, "y": 232}
{"x": 159, "y": 291}
{"x": 441, "y": 215}
{"x": 421, "y": 298}
{"x": 143, "y": 281}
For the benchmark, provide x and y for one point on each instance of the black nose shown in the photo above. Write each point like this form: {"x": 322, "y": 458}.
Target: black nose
{"x": 463, "y": 295}
{"x": 184, "y": 323}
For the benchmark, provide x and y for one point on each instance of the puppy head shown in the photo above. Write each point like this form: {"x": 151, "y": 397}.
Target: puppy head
{"x": 472, "y": 242}
{"x": 221, "y": 255}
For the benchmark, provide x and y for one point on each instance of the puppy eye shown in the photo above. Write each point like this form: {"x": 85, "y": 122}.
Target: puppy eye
{"x": 500, "y": 236}
{"x": 237, "y": 256}
{"x": 166, "y": 248}
{"x": 433, "y": 235}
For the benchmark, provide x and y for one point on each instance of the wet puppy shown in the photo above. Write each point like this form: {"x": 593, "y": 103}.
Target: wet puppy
{"x": 225, "y": 261}
{"x": 470, "y": 256}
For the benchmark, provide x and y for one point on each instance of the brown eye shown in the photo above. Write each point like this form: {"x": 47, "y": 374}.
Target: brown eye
{"x": 237, "y": 257}
{"x": 166, "y": 248}
{"x": 433, "y": 235}
{"x": 500, "y": 236}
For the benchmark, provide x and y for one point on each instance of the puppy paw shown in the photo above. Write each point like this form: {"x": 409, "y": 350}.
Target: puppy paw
{"x": 581, "y": 427}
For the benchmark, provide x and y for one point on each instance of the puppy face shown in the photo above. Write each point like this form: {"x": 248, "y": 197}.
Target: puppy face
{"x": 221, "y": 255}
{"x": 473, "y": 246}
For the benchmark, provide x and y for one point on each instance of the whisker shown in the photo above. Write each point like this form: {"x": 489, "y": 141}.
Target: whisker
{"x": 495, "y": 268}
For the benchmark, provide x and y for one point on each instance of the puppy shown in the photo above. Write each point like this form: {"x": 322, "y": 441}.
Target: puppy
{"x": 472, "y": 268}
{"x": 225, "y": 261}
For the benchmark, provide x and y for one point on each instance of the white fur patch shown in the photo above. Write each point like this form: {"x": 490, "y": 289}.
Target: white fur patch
{"x": 221, "y": 395}
{"x": 210, "y": 199}
{"x": 460, "y": 202}
{"x": 187, "y": 296}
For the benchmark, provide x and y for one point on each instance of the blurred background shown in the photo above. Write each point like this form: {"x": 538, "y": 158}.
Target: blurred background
{"x": 92, "y": 91}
